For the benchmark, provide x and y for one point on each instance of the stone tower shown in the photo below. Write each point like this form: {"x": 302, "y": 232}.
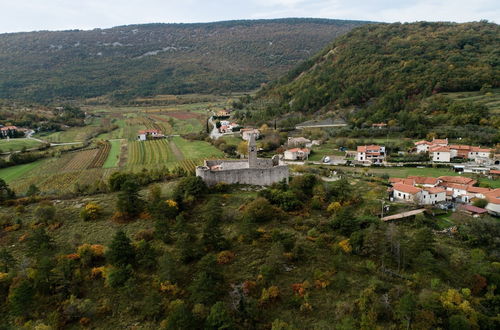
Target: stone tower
{"x": 252, "y": 151}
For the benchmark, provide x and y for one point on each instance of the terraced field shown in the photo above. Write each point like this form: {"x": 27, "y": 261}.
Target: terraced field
{"x": 491, "y": 99}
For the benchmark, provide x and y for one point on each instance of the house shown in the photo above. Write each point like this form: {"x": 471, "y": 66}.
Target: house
{"x": 440, "y": 142}
{"x": 228, "y": 127}
{"x": 247, "y": 132}
{"x": 146, "y": 134}
{"x": 297, "y": 154}
{"x": 8, "y": 131}
{"x": 495, "y": 173}
{"x": 425, "y": 181}
{"x": 373, "y": 154}
{"x": 493, "y": 198}
{"x": 478, "y": 152}
{"x": 313, "y": 143}
{"x": 473, "y": 210}
{"x": 423, "y": 146}
{"x": 457, "y": 179}
{"x": 406, "y": 193}
{"x": 432, "y": 195}
{"x": 440, "y": 154}
{"x": 379, "y": 125}
{"x": 297, "y": 141}
{"x": 223, "y": 113}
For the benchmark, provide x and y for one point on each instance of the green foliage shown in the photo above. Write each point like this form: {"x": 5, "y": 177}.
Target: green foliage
{"x": 179, "y": 316}
{"x": 389, "y": 70}
{"x": 190, "y": 188}
{"x": 145, "y": 256}
{"x": 480, "y": 203}
{"x": 45, "y": 212}
{"x": 219, "y": 318}
{"x": 32, "y": 190}
{"x": 205, "y": 287}
{"x": 118, "y": 276}
{"x": 5, "y": 192}
{"x": 120, "y": 252}
{"x": 205, "y": 58}
{"x": 129, "y": 202}
{"x": 7, "y": 261}
{"x": 21, "y": 298}
{"x": 39, "y": 243}
{"x": 260, "y": 210}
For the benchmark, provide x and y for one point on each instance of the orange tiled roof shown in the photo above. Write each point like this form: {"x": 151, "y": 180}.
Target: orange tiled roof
{"x": 493, "y": 196}
{"x": 406, "y": 188}
{"x": 435, "y": 190}
{"x": 457, "y": 179}
{"x": 298, "y": 150}
{"x": 372, "y": 147}
{"x": 423, "y": 179}
{"x": 422, "y": 142}
{"x": 439, "y": 149}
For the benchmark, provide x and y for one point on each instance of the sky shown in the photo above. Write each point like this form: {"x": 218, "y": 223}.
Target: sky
{"x": 33, "y": 15}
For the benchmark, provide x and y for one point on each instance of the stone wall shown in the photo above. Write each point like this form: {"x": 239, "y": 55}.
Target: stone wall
{"x": 253, "y": 176}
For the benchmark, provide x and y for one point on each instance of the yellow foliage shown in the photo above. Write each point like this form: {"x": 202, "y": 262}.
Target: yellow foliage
{"x": 171, "y": 203}
{"x": 98, "y": 272}
{"x": 97, "y": 250}
{"x": 272, "y": 293}
{"x": 345, "y": 246}
{"x": 225, "y": 257}
{"x": 169, "y": 288}
{"x": 3, "y": 276}
{"x": 333, "y": 207}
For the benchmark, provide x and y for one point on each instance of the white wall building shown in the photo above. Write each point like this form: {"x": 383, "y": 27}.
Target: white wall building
{"x": 440, "y": 154}
{"x": 373, "y": 154}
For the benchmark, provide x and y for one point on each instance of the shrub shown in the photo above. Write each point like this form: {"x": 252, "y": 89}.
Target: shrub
{"x": 345, "y": 246}
{"x": 91, "y": 212}
{"x": 225, "y": 257}
{"x": 260, "y": 210}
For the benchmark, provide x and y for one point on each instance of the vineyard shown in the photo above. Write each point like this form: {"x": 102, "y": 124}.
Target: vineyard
{"x": 150, "y": 152}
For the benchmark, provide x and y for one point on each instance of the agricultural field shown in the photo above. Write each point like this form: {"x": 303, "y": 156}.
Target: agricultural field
{"x": 114, "y": 154}
{"x": 18, "y": 144}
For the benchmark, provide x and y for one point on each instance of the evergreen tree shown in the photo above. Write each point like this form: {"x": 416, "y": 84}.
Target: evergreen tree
{"x": 5, "y": 192}
{"x": 212, "y": 237}
{"x": 7, "y": 261}
{"x": 120, "y": 252}
{"x": 168, "y": 268}
{"x": 219, "y": 318}
{"x": 179, "y": 317}
{"x": 146, "y": 256}
{"x": 205, "y": 287}
{"x": 32, "y": 190}
{"x": 39, "y": 243}
{"x": 129, "y": 202}
{"x": 21, "y": 298}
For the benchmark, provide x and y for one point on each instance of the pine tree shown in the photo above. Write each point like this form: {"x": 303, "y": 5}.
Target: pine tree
{"x": 21, "y": 298}
{"x": 219, "y": 318}
{"x": 7, "y": 261}
{"x": 129, "y": 202}
{"x": 120, "y": 252}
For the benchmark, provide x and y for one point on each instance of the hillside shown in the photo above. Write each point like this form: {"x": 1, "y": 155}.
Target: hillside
{"x": 152, "y": 59}
{"x": 381, "y": 72}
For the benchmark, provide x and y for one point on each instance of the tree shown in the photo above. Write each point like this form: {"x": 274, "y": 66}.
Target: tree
{"x": 179, "y": 317}
{"x": 39, "y": 243}
{"x": 7, "y": 261}
{"x": 118, "y": 276}
{"x": 406, "y": 308}
{"x": 120, "y": 252}
{"x": 146, "y": 256}
{"x": 481, "y": 202}
{"x": 129, "y": 202}
{"x": 459, "y": 322}
{"x": 212, "y": 237}
{"x": 32, "y": 190}
{"x": 189, "y": 188}
{"x": 5, "y": 192}
{"x": 45, "y": 212}
{"x": 260, "y": 210}
{"x": 168, "y": 268}
{"x": 205, "y": 287}
{"x": 21, "y": 298}
{"x": 219, "y": 318}
{"x": 243, "y": 148}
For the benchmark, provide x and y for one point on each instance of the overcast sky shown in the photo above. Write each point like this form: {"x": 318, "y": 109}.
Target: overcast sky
{"x": 30, "y": 15}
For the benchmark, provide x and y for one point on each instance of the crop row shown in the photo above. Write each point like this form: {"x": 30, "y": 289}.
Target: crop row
{"x": 101, "y": 156}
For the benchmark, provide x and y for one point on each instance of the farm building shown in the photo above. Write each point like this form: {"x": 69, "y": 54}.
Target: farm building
{"x": 297, "y": 154}
{"x": 247, "y": 132}
{"x": 254, "y": 171}
{"x": 146, "y": 134}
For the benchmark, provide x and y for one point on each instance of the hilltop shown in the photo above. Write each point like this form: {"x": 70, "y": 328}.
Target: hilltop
{"x": 383, "y": 72}
{"x": 151, "y": 59}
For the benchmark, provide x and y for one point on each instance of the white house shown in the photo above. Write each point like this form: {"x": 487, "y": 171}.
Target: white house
{"x": 493, "y": 198}
{"x": 422, "y": 146}
{"x": 373, "y": 154}
{"x": 432, "y": 195}
{"x": 440, "y": 154}
{"x": 406, "y": 193}
{"x": 478, "y": 152}
{"x": 152, "y": 133}
{"x": 297, "y": 154}
{"x": 247, "y": 132}
{"x": 297, "y": 141}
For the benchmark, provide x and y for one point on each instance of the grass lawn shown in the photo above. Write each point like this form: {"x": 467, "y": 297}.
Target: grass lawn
{"x": 15, "y": 172}
{"x": 197, "y": 149}
{"x": 326, "y": 149}
{"x": 18, "y": 144}
{"x": 114, "y": 154}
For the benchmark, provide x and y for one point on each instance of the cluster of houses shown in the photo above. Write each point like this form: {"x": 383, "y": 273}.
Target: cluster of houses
{"x": 228, "y": 127}
{"x": 149, "y": 134}
{"x": 299, "y": 148}
{"x": 430, "y": 191}
{"x": 440, "y": 151}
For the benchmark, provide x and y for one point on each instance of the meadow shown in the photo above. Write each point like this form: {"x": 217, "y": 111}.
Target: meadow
{"x": 18, "y": 144}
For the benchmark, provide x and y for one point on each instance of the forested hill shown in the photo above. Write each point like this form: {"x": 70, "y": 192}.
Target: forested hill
{"x": 380, "y": 72}
{"x": 151, "y": 59}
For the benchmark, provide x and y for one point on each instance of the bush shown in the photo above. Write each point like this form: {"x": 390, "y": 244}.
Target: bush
{"x": 91, "y": 212}
{"x": 260, "y": 210}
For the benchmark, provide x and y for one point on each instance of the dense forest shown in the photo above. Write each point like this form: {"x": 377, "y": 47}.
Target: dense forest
{"x": 393, "y": 73}
{"x": 151, "y": 59}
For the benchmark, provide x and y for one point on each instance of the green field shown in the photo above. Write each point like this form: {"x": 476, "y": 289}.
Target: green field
{"x": 12, "y": 173}
{"x": 197, "y": 149}
{"x": 114, "y": 154}
{"x": 18, "y": 144}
